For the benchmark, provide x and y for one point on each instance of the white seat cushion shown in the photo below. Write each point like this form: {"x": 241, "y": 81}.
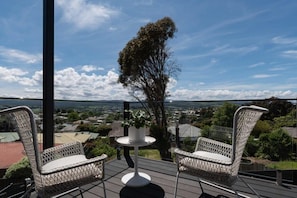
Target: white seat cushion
{"x": 63, "y": 162}
{"x": 215, "y": 156}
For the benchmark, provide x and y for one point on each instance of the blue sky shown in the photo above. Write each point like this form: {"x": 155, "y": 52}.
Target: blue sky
{"x": 226, "y": 49}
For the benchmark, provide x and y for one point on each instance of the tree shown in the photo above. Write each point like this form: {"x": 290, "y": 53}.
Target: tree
{"x": 262, "y": 126}
{"x": 275, "y": 145}
{"x": 288, "y": 120}
{"x": 223, "y": 116}
{"x": 188, "y": 144}
{"x": 19, "y": 170}
{"x": 277, "y": 107}
{"x": 103, "y": 129}
{"x": 98, "y": 147}
{"x": 146, "y": 68}
{"x": 73, "y": 116}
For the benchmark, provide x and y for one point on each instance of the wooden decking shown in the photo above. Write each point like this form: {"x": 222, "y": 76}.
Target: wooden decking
{"x": 163, "y": 181}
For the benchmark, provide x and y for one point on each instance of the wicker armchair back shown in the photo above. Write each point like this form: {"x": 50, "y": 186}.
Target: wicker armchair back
{"x": 216, "y": 161}
{"x": 245, "y": 119}
{"x": 58, "y": 169}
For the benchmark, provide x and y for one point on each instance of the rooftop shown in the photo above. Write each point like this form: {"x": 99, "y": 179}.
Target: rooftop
{"x": 11, "y": 152}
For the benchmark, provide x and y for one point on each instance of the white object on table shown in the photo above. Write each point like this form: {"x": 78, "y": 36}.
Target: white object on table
{"x": 136, "y": 179}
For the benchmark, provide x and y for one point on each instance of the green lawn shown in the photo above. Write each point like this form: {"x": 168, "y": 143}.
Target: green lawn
{"x": 148, "y": 153}
{"x": 284, "y": 165}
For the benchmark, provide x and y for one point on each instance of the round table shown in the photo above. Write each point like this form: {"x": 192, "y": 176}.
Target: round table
{"x": 136, "y": 179}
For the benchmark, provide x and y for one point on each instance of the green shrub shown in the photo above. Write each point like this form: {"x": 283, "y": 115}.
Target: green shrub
{"x": 261, "y": 127}
{"x": 275, "y": 146}
{"x": 251, "y": 147}
{"x": 188, "y": 144}
{"x": 100, "y": 146}
{"x": 284, "y": 165}
{"x": 19, "y": 170}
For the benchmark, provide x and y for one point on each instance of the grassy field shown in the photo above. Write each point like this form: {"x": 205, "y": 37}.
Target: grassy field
{"x": 148, "y": 153}
{"x": 284, "y": 165}
{"x": 155, "y": 155}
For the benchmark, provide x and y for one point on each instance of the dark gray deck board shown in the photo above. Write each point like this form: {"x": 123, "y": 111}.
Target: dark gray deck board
{"x": 163, "y": 180}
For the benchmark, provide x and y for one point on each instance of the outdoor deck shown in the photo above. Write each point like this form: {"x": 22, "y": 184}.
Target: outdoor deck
{"x": 163, "y": 181}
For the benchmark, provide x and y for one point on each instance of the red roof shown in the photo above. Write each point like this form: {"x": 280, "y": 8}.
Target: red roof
{"x": 10, "y": 152}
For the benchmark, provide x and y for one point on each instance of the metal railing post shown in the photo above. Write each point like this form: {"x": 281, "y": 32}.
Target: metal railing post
{"x": 177, "y": 140}
{"x": 126, "y": 149}
{"x": 48, "y": 73}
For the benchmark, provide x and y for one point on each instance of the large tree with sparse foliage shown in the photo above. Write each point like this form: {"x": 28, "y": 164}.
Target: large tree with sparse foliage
{"x": 146, "y": 67}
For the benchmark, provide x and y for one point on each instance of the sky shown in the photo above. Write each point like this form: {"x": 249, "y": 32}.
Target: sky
{"x": 227, "y": 49}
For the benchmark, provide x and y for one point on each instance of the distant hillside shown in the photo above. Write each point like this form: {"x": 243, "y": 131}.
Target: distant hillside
{"x": 63, "y": 104}
{"x": 106, "y": 105}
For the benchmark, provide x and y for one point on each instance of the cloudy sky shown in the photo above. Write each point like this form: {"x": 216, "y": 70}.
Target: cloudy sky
{"x": 226, "y": 49}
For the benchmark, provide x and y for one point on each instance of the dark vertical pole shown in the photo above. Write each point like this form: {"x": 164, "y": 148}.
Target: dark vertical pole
{"x": 126, "y": 116}
{"x": 126, "y": 149}
{"x": 48, "y": 73}
{"x": 177, "y": 142}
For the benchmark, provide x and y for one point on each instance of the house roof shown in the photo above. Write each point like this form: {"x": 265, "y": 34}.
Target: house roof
{"x": 118, "y": 131}
{"x": 292, "y": 131}
{"x": 9, "y": 136}
{"x": 11, "y": 152}
{"x": 69, "y": 127}
{"x": 62, "y": 138}
{"x": 185, "y": 130}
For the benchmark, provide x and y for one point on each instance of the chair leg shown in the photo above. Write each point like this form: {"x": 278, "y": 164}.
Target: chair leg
{"x": 200, "y": 185}
{"x": 176, "y": 183}
{"x": 235, "y": 192}
{"x": 250, "y": 187}
{"x": 67, "y": 192}
{"x": 104, "y": 190}
{"x": 81, "y": 194}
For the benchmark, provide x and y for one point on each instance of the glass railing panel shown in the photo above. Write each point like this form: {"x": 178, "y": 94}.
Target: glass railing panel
{"x": 97, "y": 118}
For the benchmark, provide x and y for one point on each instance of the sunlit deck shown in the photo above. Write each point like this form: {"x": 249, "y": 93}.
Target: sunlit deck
{"x": 163, "y": 181}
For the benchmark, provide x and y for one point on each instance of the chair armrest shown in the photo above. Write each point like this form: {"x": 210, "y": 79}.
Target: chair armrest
{"x": 96, "y": 161}
{"x": 213, "y": 146}
{"x": 180, "y": 154}
{"x": 64, "y": 150}
{"x": 184, "y": 157}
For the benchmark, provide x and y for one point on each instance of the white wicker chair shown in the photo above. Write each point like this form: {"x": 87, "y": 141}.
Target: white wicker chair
{"x": 218, "y": 162}
{"x": 58, "y": 169}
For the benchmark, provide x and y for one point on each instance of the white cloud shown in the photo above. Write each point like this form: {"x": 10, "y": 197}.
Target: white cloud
{"x": 227, "y": 49}
{"x": 264, "y": 75}
{"x": 224, "y": 49}
{"x": 73, "y": 85}
{"x": 112, "y": 28}
{"x": 88, "y": 68}
{"x": 34, "y": 91}
{"x": 256, "y": 65}
{"x": 284, "y": 41}
{"x": 14, "y": 55}
{"x": 4, "y": 72}
{"x": 16, "y": 75}
{"x": 143, "y": 2}
{"x": 277, "y": 69}
{"x": 38, "y": 76}
{"x": 85, "y": 15}
{"x": 224, "y": 94}
{"x": 26, "y": 81}
{"x": 290, "y": 54}
{"x": 70, "y": 84}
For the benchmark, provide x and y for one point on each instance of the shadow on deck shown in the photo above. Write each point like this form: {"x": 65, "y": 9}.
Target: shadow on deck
{"x": 163, "y": 180}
